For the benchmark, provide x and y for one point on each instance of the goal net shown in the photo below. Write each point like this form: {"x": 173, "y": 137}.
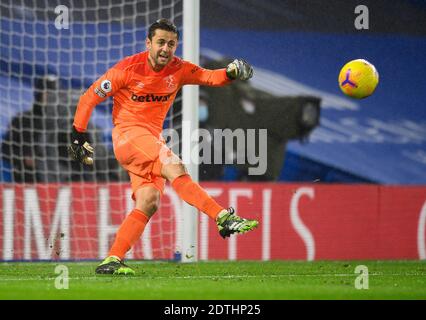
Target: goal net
{"x": 52, "y": 208}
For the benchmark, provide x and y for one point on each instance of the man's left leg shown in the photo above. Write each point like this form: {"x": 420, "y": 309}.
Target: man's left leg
{"x": 192, "y": 193}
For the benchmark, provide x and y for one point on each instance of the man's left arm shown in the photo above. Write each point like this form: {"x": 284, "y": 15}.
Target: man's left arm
{"x": 237, "y": 70}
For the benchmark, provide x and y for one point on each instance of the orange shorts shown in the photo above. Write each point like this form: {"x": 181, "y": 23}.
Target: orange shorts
{"x": 141, "y": 154}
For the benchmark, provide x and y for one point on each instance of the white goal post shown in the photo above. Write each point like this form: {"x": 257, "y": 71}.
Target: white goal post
{"x": 191, "y": 52}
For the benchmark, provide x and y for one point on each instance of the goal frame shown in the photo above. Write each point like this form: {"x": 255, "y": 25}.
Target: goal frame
{"x": 190, "y": 97}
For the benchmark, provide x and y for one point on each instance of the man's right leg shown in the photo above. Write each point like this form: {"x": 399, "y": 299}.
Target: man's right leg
{"x": 135, "y": 148}
{"x": 130, "y": 231}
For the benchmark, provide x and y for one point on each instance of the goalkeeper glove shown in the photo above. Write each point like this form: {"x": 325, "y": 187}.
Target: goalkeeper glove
{"x": 239, "y": 69}
{"x": 80, "y": 149}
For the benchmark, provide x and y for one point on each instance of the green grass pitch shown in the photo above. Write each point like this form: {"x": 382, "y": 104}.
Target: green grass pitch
{"x": 218, "y": 280}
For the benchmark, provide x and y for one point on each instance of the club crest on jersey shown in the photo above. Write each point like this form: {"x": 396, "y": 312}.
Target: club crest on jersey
{"x": 170, "y": 82}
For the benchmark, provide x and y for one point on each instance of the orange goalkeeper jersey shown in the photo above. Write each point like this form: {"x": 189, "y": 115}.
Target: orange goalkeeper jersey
{"x": 142, "y": 96}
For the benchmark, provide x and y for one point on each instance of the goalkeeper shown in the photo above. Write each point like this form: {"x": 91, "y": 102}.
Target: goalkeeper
{"x": 144, "y": 87}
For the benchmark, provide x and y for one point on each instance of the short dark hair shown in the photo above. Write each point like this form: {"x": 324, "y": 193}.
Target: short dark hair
{"x": 162, "y": 24}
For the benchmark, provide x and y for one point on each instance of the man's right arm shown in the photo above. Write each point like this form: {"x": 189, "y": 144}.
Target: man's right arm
{"x": 104, "y": 87}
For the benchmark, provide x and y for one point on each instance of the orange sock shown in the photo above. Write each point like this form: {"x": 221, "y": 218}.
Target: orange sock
{"x": 129, "y": 232}
{"x": 192, "y": 193}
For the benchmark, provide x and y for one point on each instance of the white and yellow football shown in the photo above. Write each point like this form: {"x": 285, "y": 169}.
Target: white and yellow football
{"x": 358, "y": 79}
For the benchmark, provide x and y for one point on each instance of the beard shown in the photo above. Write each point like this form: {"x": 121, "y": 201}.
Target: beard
{"x": 162, "y": 60}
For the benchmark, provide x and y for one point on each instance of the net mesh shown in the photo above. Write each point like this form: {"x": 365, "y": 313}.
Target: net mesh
{"x": 52, "y": 208}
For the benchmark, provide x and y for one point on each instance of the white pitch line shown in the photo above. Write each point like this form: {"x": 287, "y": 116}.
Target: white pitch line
{"x": 221, "y": 277}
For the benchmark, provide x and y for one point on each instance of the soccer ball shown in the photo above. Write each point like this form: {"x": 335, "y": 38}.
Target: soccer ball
{"x": 358, "y": 79}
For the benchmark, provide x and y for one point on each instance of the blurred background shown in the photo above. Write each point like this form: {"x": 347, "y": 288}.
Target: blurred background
{"x": 297, "y": 48}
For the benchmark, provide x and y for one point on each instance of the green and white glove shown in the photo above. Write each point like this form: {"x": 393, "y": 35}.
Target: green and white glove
{"x": 239, "y": 69}
{"x": 80, "y": 149}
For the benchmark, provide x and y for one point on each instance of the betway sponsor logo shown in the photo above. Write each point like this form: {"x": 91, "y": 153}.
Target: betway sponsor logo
{"x": 150, "y": 98}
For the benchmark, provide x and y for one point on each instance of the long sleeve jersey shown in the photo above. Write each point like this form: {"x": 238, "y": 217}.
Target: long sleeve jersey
{"x": 142, "y": 96}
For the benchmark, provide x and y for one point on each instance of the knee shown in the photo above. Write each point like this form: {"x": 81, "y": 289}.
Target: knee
{"x": 148, "y": 203}
{"x": 151, "y": 208}
{"x": 171, "y": 172}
